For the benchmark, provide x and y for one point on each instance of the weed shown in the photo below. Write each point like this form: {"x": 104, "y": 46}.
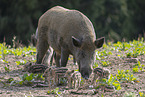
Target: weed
{"x": 7, "y": 69}
{"x": 102, "y": 54}
{"x": 27, "y": 79}
{"x": 141, "y": 94}
{"x": 130, "y": 54}
{"x": 138, "y": 67}
{"x": 125, "y": 76}
{"x": 129, "y": 94}
{"x": 105, "y": 63}
{"x": 135, "y": 69}
{"x": 10, "y": 80}
{"x": 54, "y": 91}
{"x": 21, "y": 62}
{"x": 95, "y": 65}
{"x": 113, "y": 81}
{"x": 3, "y": 50}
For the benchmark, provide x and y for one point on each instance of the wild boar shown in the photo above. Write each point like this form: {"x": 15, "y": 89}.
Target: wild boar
{"x": 34, "y": 68}
{"x": 73, "y": 78}
{"x": 27, "y": 66}
{"x": 68, "y": 32}
{"x": 50, "y": 76}
{"x": 100, "y": 73}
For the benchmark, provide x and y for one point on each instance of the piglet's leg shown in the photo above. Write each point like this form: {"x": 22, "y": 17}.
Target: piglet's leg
{"x": 94, "y": 79}
{"x": 57, "y": 59}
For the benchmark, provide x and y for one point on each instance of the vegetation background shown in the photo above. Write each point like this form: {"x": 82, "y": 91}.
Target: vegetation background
{"x": 114, "y": 19}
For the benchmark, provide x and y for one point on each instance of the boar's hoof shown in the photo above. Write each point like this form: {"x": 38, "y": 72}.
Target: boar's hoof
{"x": 85, "y": 73}
{"x": 85, "y": 76}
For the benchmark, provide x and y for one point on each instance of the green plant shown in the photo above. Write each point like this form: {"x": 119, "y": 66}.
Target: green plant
{"x": 105, "y": 63}
{"x": 98, "y": 55}
{"x": 141, "y": 94}
{"x": 21, "y": 62}
{"x": 113, "y": 81}
{"x": 123, "y": 46}
{"x": 138, "y": 67}
{"x": 95, "y": 65}
{"x": 135, "y": 69}
{"x": 102, "y": 54}
{"x": 27, "y": 79}
{"x": 105, "y": 53}
{"x": 10, "y": 80}
{"x": 4, "y": 50}
{"x": 54, "y": 91}
{"x": 130, "y": 54}
{"x": 7, "y": 69}
{"x": 125, "y": 76}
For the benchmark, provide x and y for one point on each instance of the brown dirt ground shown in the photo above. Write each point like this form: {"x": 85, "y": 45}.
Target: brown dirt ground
{"x": 27, "y": 91}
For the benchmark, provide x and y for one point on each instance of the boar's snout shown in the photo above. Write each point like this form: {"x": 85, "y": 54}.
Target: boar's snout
{"x": 86, "y": 73}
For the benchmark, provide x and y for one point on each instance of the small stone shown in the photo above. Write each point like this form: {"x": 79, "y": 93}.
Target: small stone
{"x": 91, "y": 86}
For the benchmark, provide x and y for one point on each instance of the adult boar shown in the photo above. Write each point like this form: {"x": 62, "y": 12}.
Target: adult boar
{"x": 68, "y": 32}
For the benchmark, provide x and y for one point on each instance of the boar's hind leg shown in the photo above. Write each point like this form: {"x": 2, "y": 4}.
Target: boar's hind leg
{"x": 64, "y": 57}
{"x": 42, "y": 48}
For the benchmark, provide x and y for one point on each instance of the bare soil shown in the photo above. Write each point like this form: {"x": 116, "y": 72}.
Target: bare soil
{"x": 121, "y": 63}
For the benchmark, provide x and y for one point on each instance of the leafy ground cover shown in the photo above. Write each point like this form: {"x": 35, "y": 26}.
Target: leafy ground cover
{"x": 125, "y": 60}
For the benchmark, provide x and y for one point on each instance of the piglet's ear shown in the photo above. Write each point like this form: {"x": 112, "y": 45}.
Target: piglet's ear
{"x": 99, "y": 42}
{"x": 76, "y": 42}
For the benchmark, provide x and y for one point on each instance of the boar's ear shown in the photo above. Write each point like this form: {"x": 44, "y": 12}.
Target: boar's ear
{"x": 99, "y": 42}
{"x": 76, "y": 42}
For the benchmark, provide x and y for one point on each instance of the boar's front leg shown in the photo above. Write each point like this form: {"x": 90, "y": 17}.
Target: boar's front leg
{"x": 64, "y": 57}
{"x": 42, "y": 48}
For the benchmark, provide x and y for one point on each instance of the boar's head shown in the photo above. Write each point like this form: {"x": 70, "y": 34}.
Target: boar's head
{"x": 85, "y": 54}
